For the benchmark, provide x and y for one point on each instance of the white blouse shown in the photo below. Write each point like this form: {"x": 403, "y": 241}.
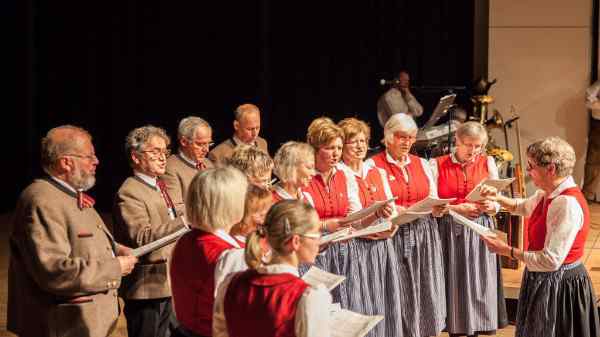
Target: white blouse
{"x": 230, "y": 261}
{"x": 563, "y": 222}
{"x": 313, "y": 314}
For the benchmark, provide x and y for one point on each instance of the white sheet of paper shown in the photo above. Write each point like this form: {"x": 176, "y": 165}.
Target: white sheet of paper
{"x": 427, "y": 204}
{"x": 381, "y": 227}
{"x": 474, "y": 226}
{"x": 499, "y": 184}
{"x": 330, "y": 237}
{"x": 154, "y": 245}
{"x": 345, "y": 323}
{"x": 365, "y": 212}
{"x": 315, "y": 276}
{"x": 407, "y": 217}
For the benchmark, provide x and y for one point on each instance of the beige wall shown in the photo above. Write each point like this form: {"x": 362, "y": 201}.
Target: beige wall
{"x": 539, "y": 50}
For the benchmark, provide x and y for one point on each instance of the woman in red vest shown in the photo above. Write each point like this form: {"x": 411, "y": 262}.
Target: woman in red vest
{"x": 203, "y": 257}
{"x": 372, "y": 278}
{"x": 271, "y": 300}
{"x": 295, "y": 168}
{"x": 472, "y": 273}
{"x": 327, "y": 192}
{"x": 417, "y": 245}
{"x": 557, "y": 297}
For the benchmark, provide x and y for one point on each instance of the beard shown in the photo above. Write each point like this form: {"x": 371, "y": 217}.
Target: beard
{"x": 83, "y": 181}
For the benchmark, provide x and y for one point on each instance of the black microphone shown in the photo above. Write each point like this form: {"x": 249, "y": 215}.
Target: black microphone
{"x": 509, "y": 122}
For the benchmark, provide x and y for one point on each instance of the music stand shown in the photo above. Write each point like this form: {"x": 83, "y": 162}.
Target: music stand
{"x": 441, "y": 109}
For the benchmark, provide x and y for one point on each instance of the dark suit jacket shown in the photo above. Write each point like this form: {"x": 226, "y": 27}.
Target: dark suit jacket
{"x": 63, "y": 276}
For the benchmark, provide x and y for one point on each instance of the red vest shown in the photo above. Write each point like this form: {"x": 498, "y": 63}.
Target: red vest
{"x": 193, "y": 279}
{"x": 408, "y": 193}
{"x": 456, "y": 181}
{"x": 330, "y": 201}
{"x": 276, "y": 197}
{"x": 537, "y": 226}
{"x": 370, "y": 189}
{"x": 262, "y": 305}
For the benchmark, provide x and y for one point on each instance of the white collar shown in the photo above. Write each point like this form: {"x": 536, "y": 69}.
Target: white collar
{"x": 567, "y": 183}
{"x": 186, "y": 159}
{"x": 334, "y": 170}
{"x": 64, "y": 184}
{"x": 223, "y": 235}
{"x": 363, "y": 171}
{"x": 146, "y": 178}
{"x": 391, "y": 160}
{"x": 240, "y": 238}
{"x": 280, "y": 268}
{"x": 283, "y": 193}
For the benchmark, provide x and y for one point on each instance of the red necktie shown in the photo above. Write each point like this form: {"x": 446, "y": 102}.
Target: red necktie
{"x": 84, "y": 200}
{"x": 163, "y": 190}
{"x": 200, "y": 165}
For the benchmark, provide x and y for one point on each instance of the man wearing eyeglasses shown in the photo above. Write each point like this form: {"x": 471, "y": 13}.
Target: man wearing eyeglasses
{"x": 246, "y": 126}
{"x": 195, "y": 139}
{"x": 144, "y": 212}
{"x": 65, "y": 267}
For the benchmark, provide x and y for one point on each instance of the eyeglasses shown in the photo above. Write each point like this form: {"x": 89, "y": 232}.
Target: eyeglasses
{"x": 404, "y": 138}
{"x": 316, "y": 236}
{"x": 156, "y": 153}
{"x": 203, "y": 145}
{"x": 91, "y": 157}
{"x": 357, "y": 142}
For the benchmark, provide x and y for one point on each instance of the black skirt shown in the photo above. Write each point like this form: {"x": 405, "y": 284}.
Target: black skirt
{"x": 561, "y": 303}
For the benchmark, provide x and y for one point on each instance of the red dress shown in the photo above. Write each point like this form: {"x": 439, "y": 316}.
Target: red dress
{"x": 330, "y": 201}
{"x": 408, "y": 191}
{"x": 537, "y": 226}
{"x": 262, "y": 305}
{"x": 193, "y": 278}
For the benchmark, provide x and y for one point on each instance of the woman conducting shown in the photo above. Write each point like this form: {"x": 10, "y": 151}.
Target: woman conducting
{"x": 557, "y": 297}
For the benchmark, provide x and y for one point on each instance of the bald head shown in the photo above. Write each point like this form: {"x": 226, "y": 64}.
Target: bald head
{"x": 247, "y": 123}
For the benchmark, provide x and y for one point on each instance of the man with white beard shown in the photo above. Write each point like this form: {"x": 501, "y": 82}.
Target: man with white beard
{"x": 65, "y": 267}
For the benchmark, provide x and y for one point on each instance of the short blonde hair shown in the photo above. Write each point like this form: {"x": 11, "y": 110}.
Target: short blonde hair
{"x": 289, "y": 156}
{"x": 256, "y": 199}
{"x": 215, "y": 199}
{"x": 285, "y": 219}
{"x": 353, "y": 126}
{"x": 472, "y": 130}
{"x": 398, "y": 122}
{"x": 322, "y": 131}
{"x": 553, "y": 150}
{"x": 251, "y": 160}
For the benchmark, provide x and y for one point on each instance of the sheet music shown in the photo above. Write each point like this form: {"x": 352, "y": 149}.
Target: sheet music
{"x": 440, "y": 109}
{"x": 365, "y": 212}
{"x": 316, "y": 276}
{"x": 499, "y": 184}
{"x": 154, "y": 245}
{"x": 427, "y": 204}
{"x": 407, "y": 217}
{"x": 381, "y": 227}
{"x": 474, "y": 226}
{"x": 345, "y": 323}
{"x": 330, "y": 237}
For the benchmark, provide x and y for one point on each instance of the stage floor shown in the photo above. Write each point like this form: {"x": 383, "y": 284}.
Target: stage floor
{"x": 512, "y": 277}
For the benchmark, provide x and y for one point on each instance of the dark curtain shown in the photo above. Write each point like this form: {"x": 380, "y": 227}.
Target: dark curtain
{"x": 113, "y": 66}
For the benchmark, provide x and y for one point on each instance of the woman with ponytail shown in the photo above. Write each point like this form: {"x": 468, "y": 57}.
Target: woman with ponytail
{"x": 270, "y": 299}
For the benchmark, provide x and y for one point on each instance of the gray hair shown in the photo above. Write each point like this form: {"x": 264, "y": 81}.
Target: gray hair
{"x": 472, "y": 130}
{"x": 288, "y": 157}
{"x": 188, "y": 126}
{"x": 139, "y": 137}
{"x": 215, "y": 199}
{"x": 553, "y": 150}
{"x": 53, "y": 146}
{"x": 398, "y": 122}
{"x": 251, "y": 160}
{"x": 243, "y": 109}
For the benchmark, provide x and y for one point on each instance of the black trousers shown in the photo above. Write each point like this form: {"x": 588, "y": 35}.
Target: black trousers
{"x": 150, "y": 318}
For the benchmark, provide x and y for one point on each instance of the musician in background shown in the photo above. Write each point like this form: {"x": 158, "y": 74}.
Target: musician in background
{"x": 398, "y": 99}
